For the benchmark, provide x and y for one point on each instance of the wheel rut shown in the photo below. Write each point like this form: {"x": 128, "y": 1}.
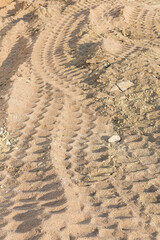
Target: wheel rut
{"x": 62, "y": 180}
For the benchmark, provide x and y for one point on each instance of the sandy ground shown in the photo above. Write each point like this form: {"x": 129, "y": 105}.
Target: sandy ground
{"x": 79, "y": 120}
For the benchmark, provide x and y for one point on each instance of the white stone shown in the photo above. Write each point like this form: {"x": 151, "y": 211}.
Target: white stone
{"x": 124, "y": 85}
{"x": 114, "y": 138}
{"x": 8, "y": 143}
{"x": 114, "y": 88}
{"x": 1, "y": 131}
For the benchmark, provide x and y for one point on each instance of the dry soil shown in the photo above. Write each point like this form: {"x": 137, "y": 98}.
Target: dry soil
{"x": 79, "y": 120}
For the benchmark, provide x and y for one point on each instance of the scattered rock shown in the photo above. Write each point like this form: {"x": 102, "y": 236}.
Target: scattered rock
{"x": 114, "y": 138}
{"x": 114, "y": 88}
{"x": 6, "y": 142}
{"x": 124, "y": 85}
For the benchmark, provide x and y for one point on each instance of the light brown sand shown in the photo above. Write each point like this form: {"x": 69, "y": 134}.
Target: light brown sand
{"x": 4, "y": 3}
{"x": 79, "y": 120}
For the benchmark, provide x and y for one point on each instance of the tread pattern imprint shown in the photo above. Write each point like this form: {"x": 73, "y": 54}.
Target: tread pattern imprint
{"x": 63, "y": 180}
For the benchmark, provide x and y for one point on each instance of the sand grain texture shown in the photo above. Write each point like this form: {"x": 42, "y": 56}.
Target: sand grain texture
{"x": 80, "y": 99}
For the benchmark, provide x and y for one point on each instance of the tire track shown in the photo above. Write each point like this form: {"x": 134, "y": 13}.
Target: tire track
{"x": 145, "y": 20}
{"x": 26, "y": 136}
{"x": 67, "y": 167}
{"x": 119, "y": 201}
{"x": 68, "y": 139}
{"x": 37, "y": 175}
{"x": 136, "y": 216}
{"x": 141, "y": 162}
{"x": 46, "y": 185}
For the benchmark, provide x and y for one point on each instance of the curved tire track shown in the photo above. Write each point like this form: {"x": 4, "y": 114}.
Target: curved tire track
{"x": 64, "y": 170}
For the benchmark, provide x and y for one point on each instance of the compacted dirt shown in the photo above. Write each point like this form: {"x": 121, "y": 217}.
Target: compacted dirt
{"x": 79, "y": 120}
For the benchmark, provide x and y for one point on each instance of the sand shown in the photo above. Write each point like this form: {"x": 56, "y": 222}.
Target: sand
{"x": 79, "y": 120}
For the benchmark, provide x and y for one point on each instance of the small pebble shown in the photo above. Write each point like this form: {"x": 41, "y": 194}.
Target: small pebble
{"x": 114, "y": 138}
{"x": 8, "y": 143}
{"x": 124, "y": 85}
{"x": 114, "y": 88}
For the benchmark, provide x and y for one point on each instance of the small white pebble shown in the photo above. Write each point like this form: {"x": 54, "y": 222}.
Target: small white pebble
{"x": 114, "y": 138}
{"x": 114, "y": 88}
{"x": 8, "y": 143}
{"x": 124, "y": 85}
